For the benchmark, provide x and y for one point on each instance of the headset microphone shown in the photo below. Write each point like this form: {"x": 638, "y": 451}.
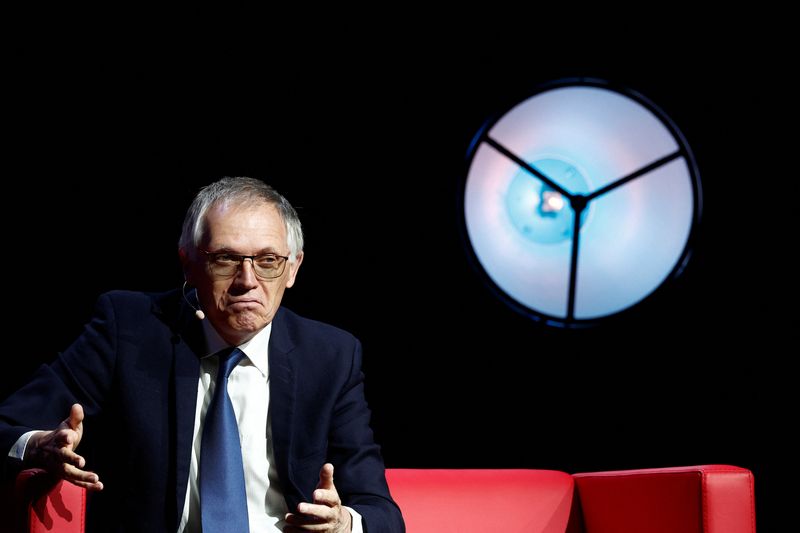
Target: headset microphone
{"x": 197, "y": 311}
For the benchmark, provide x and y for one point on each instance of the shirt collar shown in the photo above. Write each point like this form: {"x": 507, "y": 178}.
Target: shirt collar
{"x": 256, "y": 349}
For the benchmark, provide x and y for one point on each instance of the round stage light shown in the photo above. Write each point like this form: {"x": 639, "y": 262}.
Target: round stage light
{"x": 580, "y": 202}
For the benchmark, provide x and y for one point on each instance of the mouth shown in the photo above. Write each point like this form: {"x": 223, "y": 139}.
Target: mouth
{"x": 240, "y": 305}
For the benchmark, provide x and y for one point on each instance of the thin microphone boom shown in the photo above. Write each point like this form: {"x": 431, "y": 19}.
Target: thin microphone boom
{"x": 197, "y": 311}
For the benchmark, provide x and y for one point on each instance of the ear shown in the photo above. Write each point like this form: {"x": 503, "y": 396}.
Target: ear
{"x": 186, "y": 265}
{"x": 293, "y": 268}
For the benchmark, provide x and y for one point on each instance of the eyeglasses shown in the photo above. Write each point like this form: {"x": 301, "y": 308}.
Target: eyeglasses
{"x": 225, "y": 264}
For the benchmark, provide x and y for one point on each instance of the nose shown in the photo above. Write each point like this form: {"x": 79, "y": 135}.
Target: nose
{"x": 246, "y": 276}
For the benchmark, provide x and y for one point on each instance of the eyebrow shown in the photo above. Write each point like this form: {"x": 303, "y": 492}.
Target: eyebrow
{"x": 263, "y": 251}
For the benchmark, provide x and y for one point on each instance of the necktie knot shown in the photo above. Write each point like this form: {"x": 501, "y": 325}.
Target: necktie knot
{"x": 228, "y": 359}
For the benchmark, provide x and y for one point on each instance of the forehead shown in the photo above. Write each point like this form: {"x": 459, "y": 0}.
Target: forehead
{"x": 237, "y": 226}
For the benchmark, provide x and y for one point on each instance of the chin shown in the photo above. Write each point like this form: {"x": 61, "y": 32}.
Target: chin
{"x": 247, "y": 324}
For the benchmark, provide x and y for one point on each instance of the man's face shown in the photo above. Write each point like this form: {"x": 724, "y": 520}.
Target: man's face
{"x": 242, "y": 305}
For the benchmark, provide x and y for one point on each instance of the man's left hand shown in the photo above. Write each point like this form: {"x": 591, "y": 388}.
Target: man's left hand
{"x": 325, "y": 513}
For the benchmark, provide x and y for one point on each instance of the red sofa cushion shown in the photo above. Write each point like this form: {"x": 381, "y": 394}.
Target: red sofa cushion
{"x": 459, "y": 501}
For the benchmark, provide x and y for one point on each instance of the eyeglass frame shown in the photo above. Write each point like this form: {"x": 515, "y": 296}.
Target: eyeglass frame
{"x": 210, "y": 260}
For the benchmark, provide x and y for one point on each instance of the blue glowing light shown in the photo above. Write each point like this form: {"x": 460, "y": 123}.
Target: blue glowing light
{"x": 537, "y": 210}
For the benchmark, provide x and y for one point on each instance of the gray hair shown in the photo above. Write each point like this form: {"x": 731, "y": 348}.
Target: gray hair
{"x": 239, "y": 191}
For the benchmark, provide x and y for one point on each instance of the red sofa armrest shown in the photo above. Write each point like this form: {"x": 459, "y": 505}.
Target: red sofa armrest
{"x": 43, "y": 504}
{"x": 692, "y": 499}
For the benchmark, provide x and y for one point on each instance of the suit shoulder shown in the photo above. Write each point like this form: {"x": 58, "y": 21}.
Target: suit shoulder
{"x": 129, "y": 297}
{"x": 314, "y": 330}
{"x": 136, "y": 303}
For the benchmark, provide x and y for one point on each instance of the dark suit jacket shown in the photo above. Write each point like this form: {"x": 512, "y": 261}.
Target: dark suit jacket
{"x": 135, "y": 370}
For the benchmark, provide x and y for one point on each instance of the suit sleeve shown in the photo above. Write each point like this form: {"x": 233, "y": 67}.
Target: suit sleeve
{"x": 82, "y": 374}
{"x": 359, "y": 473}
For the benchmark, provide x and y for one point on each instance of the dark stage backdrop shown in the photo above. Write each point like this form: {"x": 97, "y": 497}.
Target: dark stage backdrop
{"x": 107, "y": 148}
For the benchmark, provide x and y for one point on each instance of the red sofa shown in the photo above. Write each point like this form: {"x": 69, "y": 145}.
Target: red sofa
{"x": 695, "y": 499}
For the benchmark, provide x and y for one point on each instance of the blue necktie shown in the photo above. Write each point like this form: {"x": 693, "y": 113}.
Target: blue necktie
{"x": 223, "y": 500}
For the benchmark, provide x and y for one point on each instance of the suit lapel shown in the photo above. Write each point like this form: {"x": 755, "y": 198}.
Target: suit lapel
{"x": 188, "y": 342}
{"x": 281, "y": 401}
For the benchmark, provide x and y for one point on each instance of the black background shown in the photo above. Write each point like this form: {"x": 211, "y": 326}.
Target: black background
{"x": 107, "y": 144}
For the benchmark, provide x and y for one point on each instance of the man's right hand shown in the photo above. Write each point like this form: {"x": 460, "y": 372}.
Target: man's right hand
{"x": 55, "y": 451}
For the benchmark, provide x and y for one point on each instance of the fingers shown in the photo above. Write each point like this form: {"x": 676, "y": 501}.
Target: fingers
{"x": 61, "y": 461}
{"x": 311, "y": 517}
{"x": 66, "y": 455}
{"x": 95, "y": 487}
{"x": 329, "y": 498}
{"x": 81, "y": 478}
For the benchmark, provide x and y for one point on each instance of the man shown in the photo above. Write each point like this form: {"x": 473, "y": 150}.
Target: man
{"x": 141, "y": 383}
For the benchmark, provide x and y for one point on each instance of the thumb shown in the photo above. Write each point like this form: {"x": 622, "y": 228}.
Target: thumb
{"x": 326, "y": 477}
{"x": 73, "y": 423}
{"x": 75, "y": 420}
